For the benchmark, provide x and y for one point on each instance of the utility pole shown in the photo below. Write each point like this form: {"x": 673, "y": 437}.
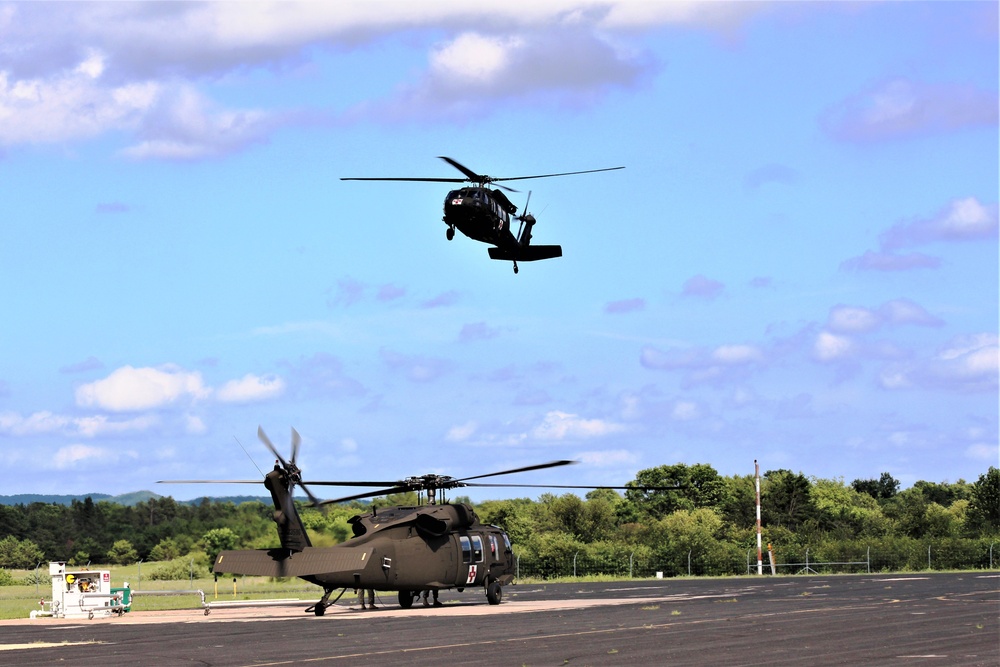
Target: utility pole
{"x": 760, "y": 556}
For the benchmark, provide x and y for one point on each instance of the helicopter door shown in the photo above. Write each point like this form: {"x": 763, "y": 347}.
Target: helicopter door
{"x": 472, "y": 558}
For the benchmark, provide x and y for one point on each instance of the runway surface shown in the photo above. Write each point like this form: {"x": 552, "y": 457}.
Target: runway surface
{"x": 925, "y": 619}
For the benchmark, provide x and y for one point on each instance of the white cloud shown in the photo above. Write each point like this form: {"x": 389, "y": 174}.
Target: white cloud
{"x": 38, "y": 422}
{"x": 736, "y": 354}
{"x": 45, "y": 422}
{"x": 251, "y": 388}
{"x": 131, "y": 389}
{"x": 473, "y": 57}
{"x": 562, "y": 425}
{"x": 83, "y": 456}
{"x": 461, "y": 432}
{"x": 69, "y": 106}
{"x": 965, "y": 219}
{"x": 901, "y": 108}
{"x": 685, "y": 411}
{"x": 983, "y": 452}
{"x": 852, "y": 319}
{"x": 967, "y": 364}
{"x": 608, "y": 458}
{"x": 829, "y": 346}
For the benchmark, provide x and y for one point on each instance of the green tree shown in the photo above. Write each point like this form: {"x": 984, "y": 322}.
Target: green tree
{"x": 165, "y": 549}
{"x": 218, "y": 540}
{"x": 681, "y": 487}
{"x": 983, "y": 511}
{"x": 122, "y": 553}
{"x": 19, "y": 554}
{"x": 786, "y": 500}
{"x": 883, "y": 488}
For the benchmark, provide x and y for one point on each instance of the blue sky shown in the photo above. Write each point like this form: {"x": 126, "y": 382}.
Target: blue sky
{"x": 798, "y": 265}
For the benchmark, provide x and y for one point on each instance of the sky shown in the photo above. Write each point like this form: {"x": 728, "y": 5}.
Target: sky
{"x": 798, "y": 264}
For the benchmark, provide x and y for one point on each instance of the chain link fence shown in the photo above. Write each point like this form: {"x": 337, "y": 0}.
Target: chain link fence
{"x": 886, "y": 555}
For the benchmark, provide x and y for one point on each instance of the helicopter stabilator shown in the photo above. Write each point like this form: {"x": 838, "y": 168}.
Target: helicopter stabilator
{"x": 436, "y": 546}
{"x": 485, "y": 214}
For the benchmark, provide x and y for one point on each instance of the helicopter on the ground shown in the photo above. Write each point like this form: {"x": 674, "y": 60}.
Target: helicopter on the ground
{"x": 485, "y": 214}
{"x": 436, "y": 546}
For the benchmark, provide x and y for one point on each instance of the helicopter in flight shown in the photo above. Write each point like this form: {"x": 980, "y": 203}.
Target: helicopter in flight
{"x": 485, "y": 214}
{"x": 436, "y": 546}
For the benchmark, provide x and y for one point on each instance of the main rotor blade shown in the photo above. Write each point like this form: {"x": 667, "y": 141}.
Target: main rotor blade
{"x": 423, "y": 180}
{"x": 581, "y": 486}
{"x": 473, "y": 176}
{"x": 210, "y": 481}
{"x": 540, "y": 466}
{"x": 296, "y": 441}
{"x": 370, "y": 494}
{"x": 381, "y": 484}
{"x": 565, "y": 173}
{"x": 267, "y": 441}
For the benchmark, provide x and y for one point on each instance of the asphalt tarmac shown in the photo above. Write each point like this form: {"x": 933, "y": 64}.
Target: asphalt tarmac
{"x": 926, "y": 619}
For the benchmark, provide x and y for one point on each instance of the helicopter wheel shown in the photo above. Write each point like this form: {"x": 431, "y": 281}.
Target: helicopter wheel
{"x": 515, "y": 268}
{"x": 450, "y": 234}
{"x": 494, "y": 592}
{"x": 406, "y": 599}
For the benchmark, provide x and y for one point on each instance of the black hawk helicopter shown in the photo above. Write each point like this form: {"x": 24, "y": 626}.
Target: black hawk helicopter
{"x": 436, "y": 546}
{"x": 485, "y": 214}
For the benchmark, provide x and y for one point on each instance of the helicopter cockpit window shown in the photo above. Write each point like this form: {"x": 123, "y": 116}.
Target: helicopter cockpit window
{"x": 477, "y": 549}
{"x": 466, "y": 549}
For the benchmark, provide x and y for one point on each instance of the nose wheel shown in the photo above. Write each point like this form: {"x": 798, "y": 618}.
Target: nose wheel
{"x": 450, "y": 234}
{"x": 515, "y": 268}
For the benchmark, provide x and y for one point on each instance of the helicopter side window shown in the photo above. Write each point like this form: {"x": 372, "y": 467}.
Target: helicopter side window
{"x": 466, "y": 549}
{"x": 477, "y": 549}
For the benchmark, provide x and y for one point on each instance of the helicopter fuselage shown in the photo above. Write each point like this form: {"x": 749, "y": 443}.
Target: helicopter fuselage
{"x": 404, "y": 549}
{"x": 481, "y": 214}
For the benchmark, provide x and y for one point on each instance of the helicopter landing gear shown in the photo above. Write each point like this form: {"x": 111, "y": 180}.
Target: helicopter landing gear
{"x": 450, "y": 234}
{"x": 406, "y": 599}
{"x": 320, "y": 607}
{"x": 494, "y": 592}
{"x": 515, "y": 268}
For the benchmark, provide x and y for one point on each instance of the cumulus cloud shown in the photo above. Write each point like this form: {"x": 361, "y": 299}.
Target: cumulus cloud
{"x": 625, "y": 306}
{"x": 416, "y": 368}
{"x": 901, "y": 108}
{"x": 704, "y": 364}
{"x": 323, "y": 374}
{"x": 185, "y": 125}
{"x": 969, "y": 363}
{"x": 701, "y": 287}
{"x": 858, "y": 319}
{"x": 966, "y": 219}
{"x": 831, "y": 347}
{"x": 608, "y": 458}
{"x": 461, "y": 432}
{"x": 890, "y": 261}
{"x": 470, "y": 74}
{"x": 130, "y": 389}
{"x": 449, "y": 298}
{"x": 563, "y": 425}
{"x": 251, "y": 388}
{"x": 47, "y": 423}
{"x": 76, "y": 71}
{"x": 477, "y": 331}
{"x": 75, "y": 456}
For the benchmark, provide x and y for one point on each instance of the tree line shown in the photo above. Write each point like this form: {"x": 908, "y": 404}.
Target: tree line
{"x": 708, "y": 515}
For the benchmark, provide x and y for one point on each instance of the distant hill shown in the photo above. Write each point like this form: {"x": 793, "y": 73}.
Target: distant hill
{"x": 127, "y": 499}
